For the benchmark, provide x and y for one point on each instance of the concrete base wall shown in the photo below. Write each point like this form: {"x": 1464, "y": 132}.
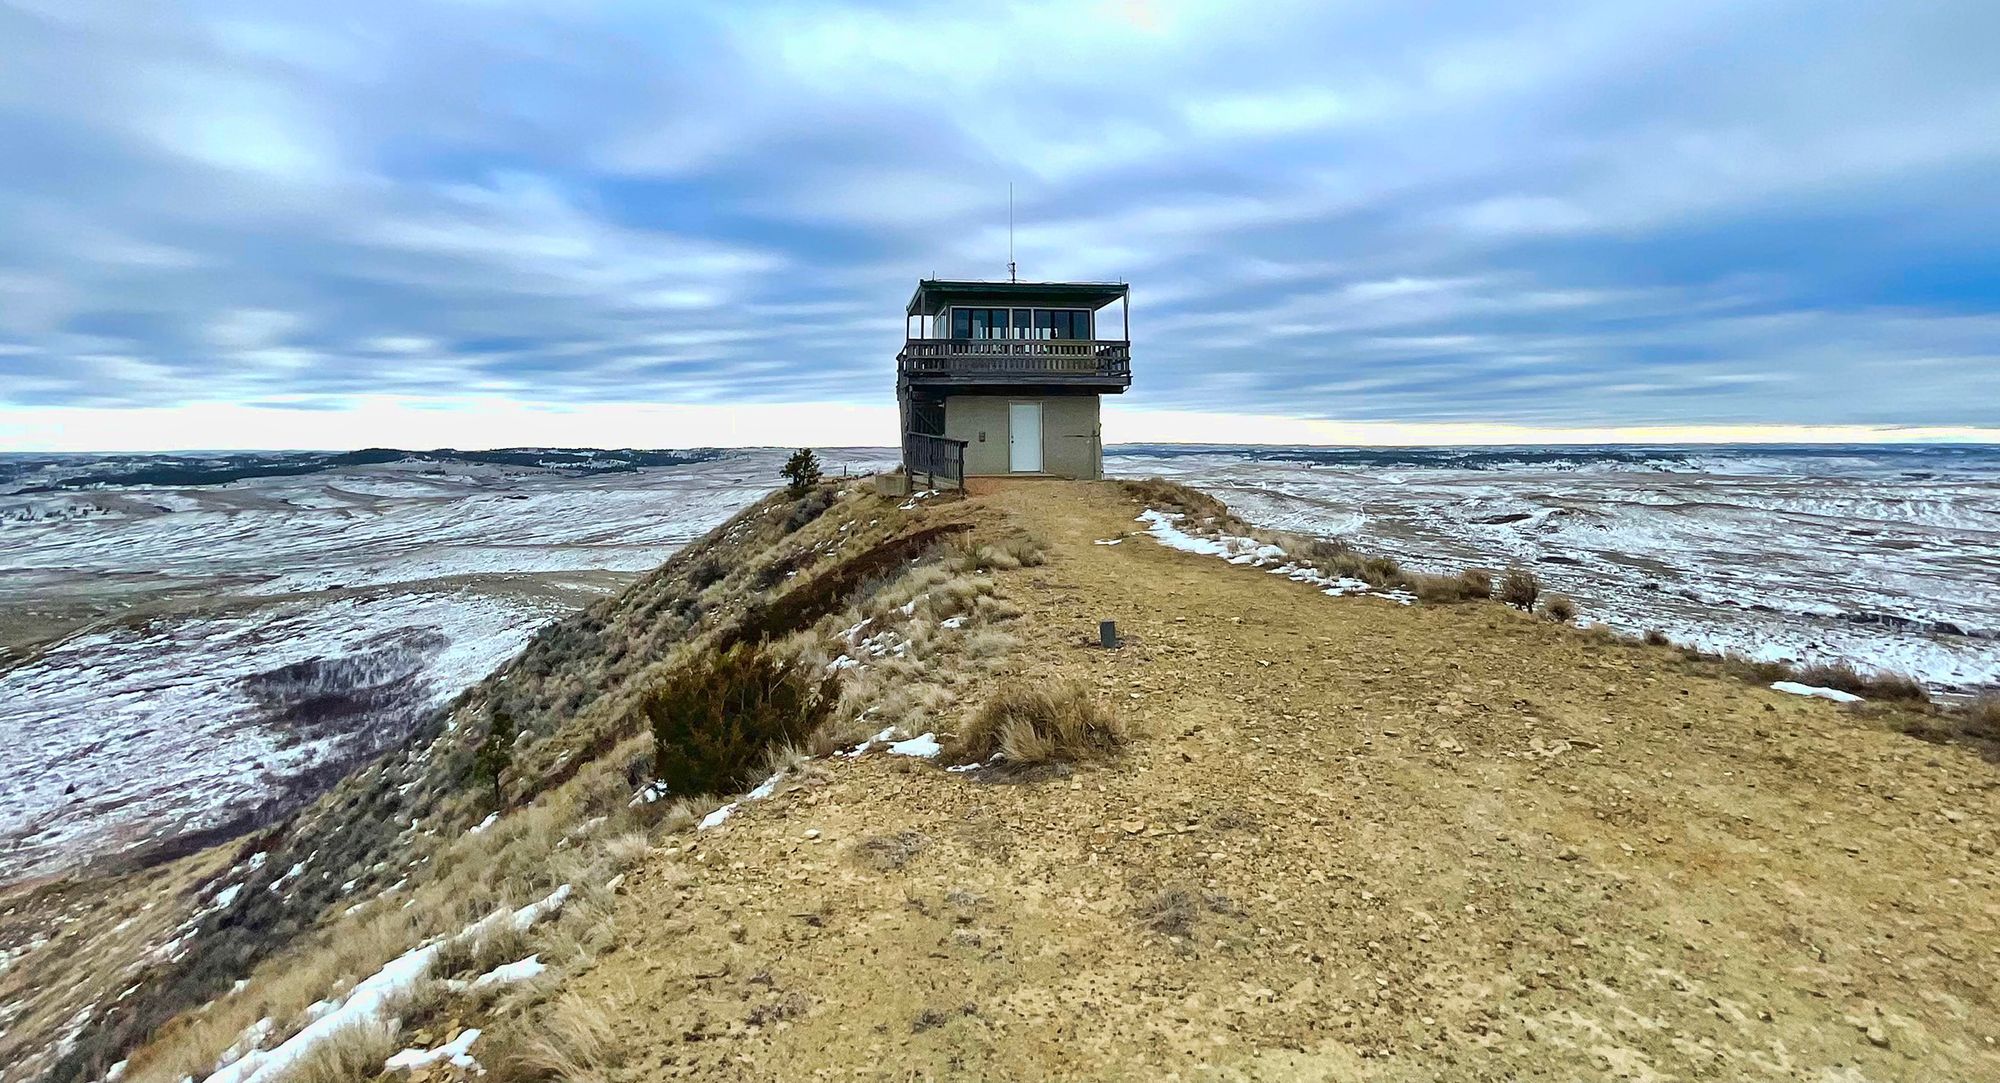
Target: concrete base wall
{"x": 1072, "y": 444}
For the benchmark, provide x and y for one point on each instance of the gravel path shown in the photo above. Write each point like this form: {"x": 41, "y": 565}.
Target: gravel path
{"x": 1353, "y": 840}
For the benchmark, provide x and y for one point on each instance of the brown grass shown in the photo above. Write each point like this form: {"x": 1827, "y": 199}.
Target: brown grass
{"x": 1885, "y": 686}
{"x": 1161, "y": 493}
{"x": 575, "y": 1041}
{"x": 1006, "y": 554}
{"x": 1476, "y": 583}
{"x": 1559, "y": 608}
{"x": 1472, "y": 584}
{"x": 1029, "y": 724}
{"x": 1982, "y": 717}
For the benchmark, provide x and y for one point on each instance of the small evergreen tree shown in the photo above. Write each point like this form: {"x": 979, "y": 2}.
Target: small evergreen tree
{"x": 803, "y": 471}
{"x": 495, "y": 754}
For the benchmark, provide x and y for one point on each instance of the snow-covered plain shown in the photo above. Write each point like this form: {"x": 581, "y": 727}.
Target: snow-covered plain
{"x": 1885, "y": 557}
{"x": 211, "y": 648}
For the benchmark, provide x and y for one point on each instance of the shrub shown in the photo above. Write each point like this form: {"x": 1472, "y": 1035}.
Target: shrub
{"x": 801, "y": 471}
{"x": 715, "y": 718}
{"x": 1030, "y": 724}
{"x": 1657, "y": 638}
{"x": 1559, "y": 608}
{"x": 1520, "y": 588}
{"x": 705, "y": 573}
{"x": 810, "y": 505}
{"x": 495, "y": 755}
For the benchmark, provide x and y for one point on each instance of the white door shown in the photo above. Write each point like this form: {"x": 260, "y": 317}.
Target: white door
{"x": 1024, "y": 437}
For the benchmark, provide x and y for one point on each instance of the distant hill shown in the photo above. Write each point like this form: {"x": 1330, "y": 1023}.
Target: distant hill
{"x": 225, "y": 467}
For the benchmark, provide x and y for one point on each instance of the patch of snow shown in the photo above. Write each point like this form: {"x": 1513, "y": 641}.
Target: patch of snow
{"x": 887, "y": 733}
{"x": 765, "y": 788}
{"x": 1108, "y": 541}
{"x": 924, "y": 746}
{"x": 716, "y": 818}
{"x": 1163, "y": 526}
{"x": 649, "y": 793}
{"x": 1799, "y": 556}
{"x": 291, "y": 874}
{"x": 491, "y": 819}
{"x": 369, "y": 1001}
{"x": 458, "y": 1051}
{"x": 953, "y": 623}
{"x": 1834, "y": 694}
{"x": 253, "y": 1037}
{"x": 520, "y": 970}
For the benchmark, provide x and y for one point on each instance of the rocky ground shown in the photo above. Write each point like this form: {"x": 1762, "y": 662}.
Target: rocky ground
{"x": 1352, "y": 840}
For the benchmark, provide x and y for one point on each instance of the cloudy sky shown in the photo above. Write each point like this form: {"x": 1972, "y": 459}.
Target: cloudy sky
{"x": 496, "y": 222}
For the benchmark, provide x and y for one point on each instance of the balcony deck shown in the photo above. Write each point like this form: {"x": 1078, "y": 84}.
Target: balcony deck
{"x": 1103, "y": 365}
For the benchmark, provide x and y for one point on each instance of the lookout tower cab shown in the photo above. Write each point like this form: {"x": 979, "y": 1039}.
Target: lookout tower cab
{"x": 1003, "y": 378}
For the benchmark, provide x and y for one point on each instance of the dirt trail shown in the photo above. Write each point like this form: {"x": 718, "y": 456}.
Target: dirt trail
{"x": 1355, "y": 840}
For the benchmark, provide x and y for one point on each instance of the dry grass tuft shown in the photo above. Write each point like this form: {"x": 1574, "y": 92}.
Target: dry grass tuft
{"x": 1559, "y": 608}
{"x": 1475, "y": 583}
{"x": 1657, "y": 638}
{"x": 1006, "y": 554}
{"x": 1171, "y": 913}
{"x": 1038, "y": 724}
{"x": 993, "y": 609}
{"x": 575, "y": 1042}
{"x": 887, "y": 853}
{"x": 987, "y": 643}
{"x": 1470, "y": 585}
{"x": 1519, "y": 588}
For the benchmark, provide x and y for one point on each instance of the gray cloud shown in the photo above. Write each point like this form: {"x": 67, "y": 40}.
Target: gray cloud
{"x": 1569, "y": 214}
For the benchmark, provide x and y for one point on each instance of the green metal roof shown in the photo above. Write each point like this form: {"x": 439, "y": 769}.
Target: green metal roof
{"x": 933, "y": 295}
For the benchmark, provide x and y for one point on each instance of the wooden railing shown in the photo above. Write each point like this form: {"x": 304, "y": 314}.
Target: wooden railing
{"x": 1015, "y": 356}
{"x": 932, "y": 458}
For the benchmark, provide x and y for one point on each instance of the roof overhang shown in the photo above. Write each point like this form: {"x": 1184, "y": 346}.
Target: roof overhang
{"x": 935, "y": 295}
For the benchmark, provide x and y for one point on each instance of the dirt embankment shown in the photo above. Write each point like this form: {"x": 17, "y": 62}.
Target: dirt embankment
{"x": 1353, "y": 840}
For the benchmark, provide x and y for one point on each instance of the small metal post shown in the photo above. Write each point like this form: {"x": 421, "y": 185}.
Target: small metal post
{"x": 1107, "y": 634}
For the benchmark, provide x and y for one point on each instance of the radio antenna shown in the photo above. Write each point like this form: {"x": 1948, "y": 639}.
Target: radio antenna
{"x": 1010, "y": 233}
